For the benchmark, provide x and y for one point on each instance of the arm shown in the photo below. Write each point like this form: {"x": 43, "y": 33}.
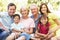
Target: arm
{"x": 4, "y": 28}
{"x": 15, "y": 30}
{"x": 29, "y": 31}
{"x": 40, "y": 34}
{"x": 49, "y": 34}
{"x": 32, "y": 25}
{"x": 56, "y": 20}
{"x": 56, "y": 27}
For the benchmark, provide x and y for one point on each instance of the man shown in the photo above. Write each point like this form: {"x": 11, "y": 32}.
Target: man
{"x": 35, "y": 14}
{"x": 7, "y": 20}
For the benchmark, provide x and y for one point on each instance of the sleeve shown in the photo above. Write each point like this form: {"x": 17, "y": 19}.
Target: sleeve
{"x": 2, "y": 14}
{"x": 0, "y": 20}
{"x": 12, "y": 26}
{"x": 38, "y": 26}
{"x": 53, "y": 16}
{"x": 21, "y": 26}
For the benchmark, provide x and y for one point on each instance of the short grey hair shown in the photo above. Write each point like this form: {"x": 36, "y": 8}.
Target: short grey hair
{"x": 33, "y": 5}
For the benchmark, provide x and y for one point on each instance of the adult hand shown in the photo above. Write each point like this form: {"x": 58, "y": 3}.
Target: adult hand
{"x": 1, "y": 24}
{"x": 4, "y": 28}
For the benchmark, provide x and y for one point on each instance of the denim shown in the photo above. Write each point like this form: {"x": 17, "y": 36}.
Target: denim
{"x": 3, "y": 35}
{"x": 26, "y": 35}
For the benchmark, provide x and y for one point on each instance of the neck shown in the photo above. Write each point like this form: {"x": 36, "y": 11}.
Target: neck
{"x": 45, "y": 14}
{"x": 10, "y": 15}
{"x": 35, "y": 16}
{"x": 16, "y": 23}
{"x": 25, "y": 17}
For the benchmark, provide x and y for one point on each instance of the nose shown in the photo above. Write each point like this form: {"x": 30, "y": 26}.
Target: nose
{"x": 12, "y": 11}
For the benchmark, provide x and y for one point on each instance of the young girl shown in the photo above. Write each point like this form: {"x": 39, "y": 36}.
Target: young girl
{"x": 17, "y": 28}
{"x": 54, "y": 21}
{"x": 43, "y": 28}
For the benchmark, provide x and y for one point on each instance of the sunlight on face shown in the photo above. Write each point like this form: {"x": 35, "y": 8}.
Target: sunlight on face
{"x": 43, "y": 20}
{"x": 16, "y": 19}
{"x": 24, "y": 11}
{"x": 34, "y": 9}
{"x": 11, "y": 10}
{"x": 44, "y": 9}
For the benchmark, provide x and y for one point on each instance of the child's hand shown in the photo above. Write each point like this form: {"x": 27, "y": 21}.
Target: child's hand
{"x": 17, "y": 34}
{"x": 45, "y": 36}
{"x": 26, "y": 30}
{"x": 22, "y": 30}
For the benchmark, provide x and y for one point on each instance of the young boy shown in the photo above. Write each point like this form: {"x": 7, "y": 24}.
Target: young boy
{"x": 17, "y": 28}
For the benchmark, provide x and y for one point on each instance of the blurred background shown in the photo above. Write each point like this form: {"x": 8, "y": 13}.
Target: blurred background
{"x": 54, "y": 5}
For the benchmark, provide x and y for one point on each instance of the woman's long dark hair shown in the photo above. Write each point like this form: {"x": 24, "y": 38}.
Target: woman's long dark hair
{"x": 46, "y": 7}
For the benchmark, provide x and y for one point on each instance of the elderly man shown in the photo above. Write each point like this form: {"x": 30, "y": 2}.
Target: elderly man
{"x": 35, "y": 14}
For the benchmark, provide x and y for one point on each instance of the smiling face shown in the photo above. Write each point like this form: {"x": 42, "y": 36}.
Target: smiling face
{"x": 43, "y": 20}
{"x": 24, "y": 12}
{"x": 34, "y": 9}
{"x": 11, "y": 10}
{"x": 44, "y": 9}
{"x": 16, "y": 19}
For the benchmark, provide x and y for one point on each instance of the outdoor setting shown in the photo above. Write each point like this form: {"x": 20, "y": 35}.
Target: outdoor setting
{"x": 29, "y": 19}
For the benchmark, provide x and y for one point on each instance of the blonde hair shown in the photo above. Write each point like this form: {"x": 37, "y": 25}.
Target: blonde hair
{"x": 27, "y": 8}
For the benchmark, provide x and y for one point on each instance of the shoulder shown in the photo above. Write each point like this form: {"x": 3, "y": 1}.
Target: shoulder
{"x": 31, "y": 16}
{"x": 30, "y": 19}
{"x": 0, "y": 19}
{"x": 48, "y": 24}
{"x": 39, "y": 15}
{"x": 12, "y": 24}
{"x": 2, "y": 14}
{"x": 52, "y": 15}
{"x": 20, "y": 23}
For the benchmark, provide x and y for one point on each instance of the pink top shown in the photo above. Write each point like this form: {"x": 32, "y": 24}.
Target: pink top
{"x": 27, "y": 23}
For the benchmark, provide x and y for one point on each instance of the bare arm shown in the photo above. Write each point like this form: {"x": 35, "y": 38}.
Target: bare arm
{"x": 56, "y": 27}
{"x": 15, "y": 30}
{"x": 40, "y": 34}
{"x": 4, "y": 28}
{"x": 29, "y": 31}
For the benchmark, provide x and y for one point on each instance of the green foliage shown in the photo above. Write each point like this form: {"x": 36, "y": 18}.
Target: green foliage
{"x": 4, "y": 3}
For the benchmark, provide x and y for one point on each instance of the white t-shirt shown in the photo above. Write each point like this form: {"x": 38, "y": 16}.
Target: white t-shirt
{"x": 0, "y": 20}
{"x": 18, "y": 26}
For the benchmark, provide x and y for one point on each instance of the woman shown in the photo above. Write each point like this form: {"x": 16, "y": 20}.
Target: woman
{"x": 27, "y": 22}
{"x": 55, "y": 24}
